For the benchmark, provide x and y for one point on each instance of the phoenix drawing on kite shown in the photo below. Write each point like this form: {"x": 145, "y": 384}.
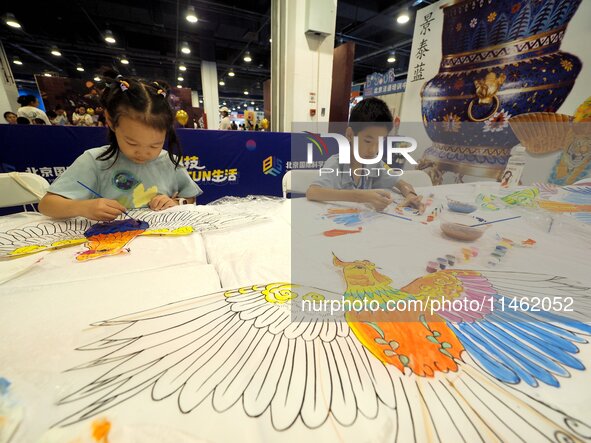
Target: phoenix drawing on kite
{"x": 441, "y": 376}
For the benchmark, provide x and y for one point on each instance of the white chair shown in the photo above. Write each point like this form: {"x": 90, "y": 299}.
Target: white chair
{"x": 416, "y": 178}
{"x": 298, "y": 181}
{"x": 21, "y": 188}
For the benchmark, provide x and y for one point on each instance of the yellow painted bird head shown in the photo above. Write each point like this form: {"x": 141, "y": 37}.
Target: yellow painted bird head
{"x": 361, "y": 273}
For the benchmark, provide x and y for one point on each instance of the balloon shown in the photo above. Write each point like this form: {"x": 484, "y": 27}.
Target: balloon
{"x": 182, "y": 117}
{"x": 90, "y": 111}
{"x": 264, "y": 123}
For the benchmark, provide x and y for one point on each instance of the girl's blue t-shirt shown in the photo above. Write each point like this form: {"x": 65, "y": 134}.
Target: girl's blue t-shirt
{"x": 131, "y": 184}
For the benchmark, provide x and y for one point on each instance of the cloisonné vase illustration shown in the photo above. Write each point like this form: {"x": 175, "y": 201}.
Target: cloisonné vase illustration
{"x": 501, "y": 58}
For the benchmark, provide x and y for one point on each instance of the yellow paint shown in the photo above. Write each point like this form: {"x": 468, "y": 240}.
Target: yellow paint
{"x": 183, "y": 230}
{"x": 143, "y": 196}
{"x": 31, "y": 249}
{"x": 100, "y": 430}
{"x": 70, "y": 242}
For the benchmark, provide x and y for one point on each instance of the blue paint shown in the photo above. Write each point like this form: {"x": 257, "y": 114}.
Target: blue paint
{"x": 115, "y": 226}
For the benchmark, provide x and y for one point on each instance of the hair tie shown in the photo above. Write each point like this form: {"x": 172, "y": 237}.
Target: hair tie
{"x": 123, "y": 85}
{"x": 162, "y": 92}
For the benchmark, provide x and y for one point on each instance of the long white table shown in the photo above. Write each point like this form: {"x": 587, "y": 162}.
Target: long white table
{"x": 46, "y": 314}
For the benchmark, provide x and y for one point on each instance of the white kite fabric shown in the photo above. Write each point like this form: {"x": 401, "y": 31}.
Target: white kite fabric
{"x": 254, "y": 347}
{"x": 51, "y": 234}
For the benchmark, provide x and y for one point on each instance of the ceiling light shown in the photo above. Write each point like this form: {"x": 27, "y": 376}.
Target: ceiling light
{"x": 79, "y": 68}
{"x": 403, "y": 18}
{"x": 46, "y": 74}
{"x": 17, "y": 61}
{"x": 185, "y": 49}
{"x": 222, "y": 83}
{"x": 191, "y": 16}
{"x": 392, "y": 57}
{"x": 97, "y": 78}
{"x": 179, "y": 86}
{"x": 247, "y": 57}
{"x": 182, "y": 68}
{"x": 231, "y": 73}
{"x": 245, "y": 92}
{"x": 109, "y": 37}
{"x": 224, "y": 103}
{"x": 11, "y": 20}
{"x": 124, "y": 60}
{"x": 252, "y": 103}
{"x": 180, "y": 78}
{"x": 256, "y": 109}
{"x": 200, "y": 101}
{"x": 55, "y": 51}
{"x": 245, "y": 105}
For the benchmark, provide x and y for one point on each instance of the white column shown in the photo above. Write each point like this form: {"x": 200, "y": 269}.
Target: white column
{"x": 8, "y": 90}
{"x": 301, "y": 62}
{"x": 209, "y": 82}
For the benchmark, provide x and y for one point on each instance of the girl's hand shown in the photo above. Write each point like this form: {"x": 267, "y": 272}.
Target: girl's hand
{"x": 161, "y": 202}
{"x": 102, "y": 209}
{"x": 378, "y": 198}
{"x": 415, "y": 201}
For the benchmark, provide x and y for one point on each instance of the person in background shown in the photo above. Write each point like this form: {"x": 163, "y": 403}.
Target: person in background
{"x": 30, "y": 109}
{"x": 133, "y": 170}
{"x": 81, "y": 118}
{"x": 61, "y": 118}
{"x": 10, "y": 117}
{"x": 225, "y": 122}
{"x": 23, "y": 121}
{"x": 234, "y": 127}
{"x": 99, "y": 112}
{"x": 370, "y": 121}
{"x": 38, "y": 121}
{"x": 51, "y": 115}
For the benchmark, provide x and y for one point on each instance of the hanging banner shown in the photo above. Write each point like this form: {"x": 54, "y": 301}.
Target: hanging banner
{"x": 382, "y": 84}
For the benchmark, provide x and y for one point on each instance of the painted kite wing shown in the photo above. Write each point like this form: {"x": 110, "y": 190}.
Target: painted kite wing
{"x": 245, "y": 344}
{"x": 44, "y": 235}
{"x": 515, "y": 342}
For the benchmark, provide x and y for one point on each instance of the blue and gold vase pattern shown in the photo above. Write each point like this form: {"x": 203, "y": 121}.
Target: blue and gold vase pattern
{"x": 501, "y": 58}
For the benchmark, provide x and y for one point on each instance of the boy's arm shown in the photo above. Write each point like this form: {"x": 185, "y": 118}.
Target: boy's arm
{"x": 405, "y": 188}
{"x": 377, "y": 198}
{"x": 318, "y": 193}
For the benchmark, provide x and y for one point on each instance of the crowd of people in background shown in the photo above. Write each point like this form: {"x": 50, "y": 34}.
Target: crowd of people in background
{"x": 30, "y": 114}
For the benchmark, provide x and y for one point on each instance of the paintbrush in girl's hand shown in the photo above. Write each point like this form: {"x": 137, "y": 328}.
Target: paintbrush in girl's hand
{"x": 100, "y": 196}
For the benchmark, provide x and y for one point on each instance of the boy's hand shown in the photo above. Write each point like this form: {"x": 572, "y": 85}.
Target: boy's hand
{"x": 102, "y": 209}
{"x": 161, "y": 202}
{"x": 379, "y": 199}
{"x": 415, "y": 201}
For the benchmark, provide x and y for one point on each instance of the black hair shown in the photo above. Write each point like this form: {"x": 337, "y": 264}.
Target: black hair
{"x": 370, "y": 112}
{"x": 51, "y": 114}
{"x": 143, "y": 101}
{"x": 8, "y": 113}
{"x": 23, "y": 121}
{"x": 59, "y": 107}
{"x": 26, "y": 100}
{"x": 38, "y": 121}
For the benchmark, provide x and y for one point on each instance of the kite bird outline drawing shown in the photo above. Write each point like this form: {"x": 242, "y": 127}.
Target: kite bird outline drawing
{"x": 453, "y": 373}
{"x": 111, "y": 238}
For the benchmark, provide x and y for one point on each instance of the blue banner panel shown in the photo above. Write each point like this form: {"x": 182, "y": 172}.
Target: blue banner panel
{"x": 222, "y": 163}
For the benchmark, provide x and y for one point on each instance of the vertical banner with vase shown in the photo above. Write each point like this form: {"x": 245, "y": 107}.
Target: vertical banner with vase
{"x": 475, "y": 64}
